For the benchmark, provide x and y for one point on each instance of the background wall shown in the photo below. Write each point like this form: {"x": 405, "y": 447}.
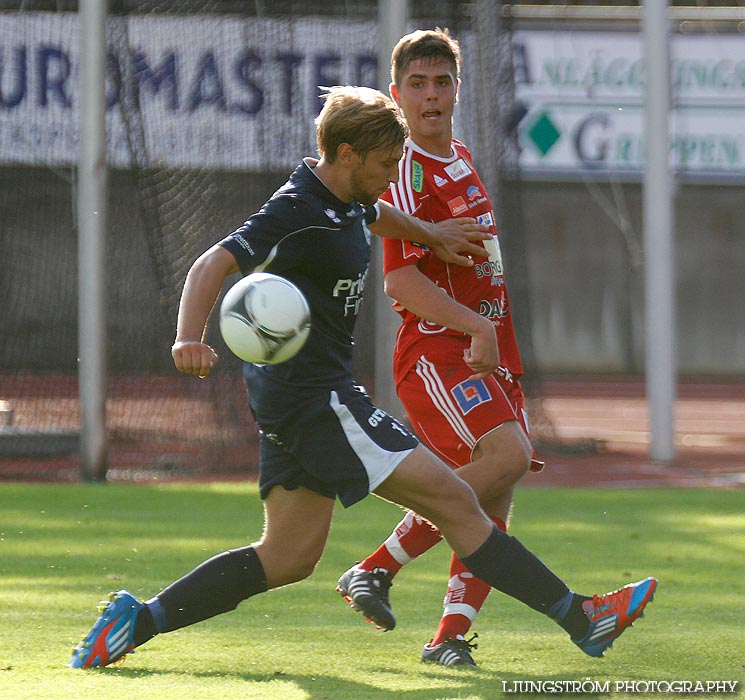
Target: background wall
{"x": 585, "y": 278}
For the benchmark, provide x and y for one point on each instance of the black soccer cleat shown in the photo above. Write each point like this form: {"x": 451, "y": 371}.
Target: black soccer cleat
{"x": 367, "y": 592}
{"x": 451, "y": 652}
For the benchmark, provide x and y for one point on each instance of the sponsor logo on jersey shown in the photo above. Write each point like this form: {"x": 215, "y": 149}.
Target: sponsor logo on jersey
{"x": 473, "y": 193}
{"x": 497, "y": 308}
{"x": 469, "y": 394}
{"x": 243, "y": 243}
{"x": 486, "y": 219}
{"x": 474, "y": 196}
{"x": 489, "y": 269}
{"x": 440, "y": 181}
{"x": 417, "y": 176}
{"x": 495, "y": 258}
{"x": 457, "y": 206}
{"x": 351, "y": 292}
{"x": 458, "y": 170}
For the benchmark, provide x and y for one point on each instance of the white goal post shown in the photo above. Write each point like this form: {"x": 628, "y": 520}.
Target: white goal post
{"x": 92, "y": 229}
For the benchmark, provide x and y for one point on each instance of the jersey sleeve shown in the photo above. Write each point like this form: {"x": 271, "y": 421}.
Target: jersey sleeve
{"x": 256, "y": 244}
{"x": 398, "y": 253}
{"x": 371, "y": 213}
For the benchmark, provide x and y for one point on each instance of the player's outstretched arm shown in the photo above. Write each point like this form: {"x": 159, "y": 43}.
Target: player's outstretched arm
{"x": 451, "y": 240}
{"x": 416, "y": 292}
{"x": 206, "y": 277}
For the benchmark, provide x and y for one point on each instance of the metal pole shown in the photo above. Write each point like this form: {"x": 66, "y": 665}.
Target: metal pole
{"x": 92, "y": 217}
{"x": 392, "y": 19}
{"x": 658, "y": 238}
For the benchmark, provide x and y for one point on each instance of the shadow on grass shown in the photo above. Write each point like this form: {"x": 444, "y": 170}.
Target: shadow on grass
{"x": 441, "y": 683}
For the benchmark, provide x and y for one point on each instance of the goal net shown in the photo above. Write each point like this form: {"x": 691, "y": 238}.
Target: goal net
{"x": 210, "y": 104}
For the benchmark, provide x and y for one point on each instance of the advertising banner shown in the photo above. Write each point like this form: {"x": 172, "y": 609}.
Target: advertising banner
{"x": 235, "y": 93}
{"x": 583, "y": 98}
{"x": 199, "y": 91}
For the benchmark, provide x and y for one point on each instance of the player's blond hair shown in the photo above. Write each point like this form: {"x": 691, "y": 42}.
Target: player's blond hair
{"x": 429, "y": 44}
{"x": 364, "y": 118}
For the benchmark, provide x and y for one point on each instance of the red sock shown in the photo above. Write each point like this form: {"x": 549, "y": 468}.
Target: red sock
{"x": 465, "y": 596}
{"x": 411, "y": 537}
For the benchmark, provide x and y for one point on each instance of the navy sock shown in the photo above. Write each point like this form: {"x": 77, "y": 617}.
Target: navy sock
{"x": 570, "y": 616}
{"x": 144, "y": 626}
{"x": 504, "y": 563}
{"x": 214, "y": 587}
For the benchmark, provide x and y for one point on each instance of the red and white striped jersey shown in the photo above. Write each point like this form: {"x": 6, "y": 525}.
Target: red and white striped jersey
{"x": 433, "y": 189}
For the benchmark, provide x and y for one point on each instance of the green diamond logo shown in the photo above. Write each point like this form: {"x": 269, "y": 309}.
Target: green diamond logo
{"x": 544, "y": 133}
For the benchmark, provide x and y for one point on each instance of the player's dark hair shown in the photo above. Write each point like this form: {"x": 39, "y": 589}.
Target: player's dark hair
{"x": 364, "y": 118}
{"x": 430, "y": 44}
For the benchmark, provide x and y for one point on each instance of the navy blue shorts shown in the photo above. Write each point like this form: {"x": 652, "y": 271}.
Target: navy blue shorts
{"x": 332, "y": 441}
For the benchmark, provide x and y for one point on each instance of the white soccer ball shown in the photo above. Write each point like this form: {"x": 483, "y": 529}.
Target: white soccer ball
{"x": 264, "y": 319}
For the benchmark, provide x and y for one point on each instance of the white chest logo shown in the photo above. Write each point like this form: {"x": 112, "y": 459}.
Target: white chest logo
{"x": 458, "y": 170}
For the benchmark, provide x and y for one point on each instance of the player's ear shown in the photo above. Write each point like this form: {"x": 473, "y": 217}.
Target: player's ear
{"x": 345, "y": 153}
{"x": 393, "y": 90}
{"x": 457, "y": 86}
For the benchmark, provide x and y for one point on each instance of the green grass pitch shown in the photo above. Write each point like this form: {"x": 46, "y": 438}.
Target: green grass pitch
{"x": 64, "y": 547}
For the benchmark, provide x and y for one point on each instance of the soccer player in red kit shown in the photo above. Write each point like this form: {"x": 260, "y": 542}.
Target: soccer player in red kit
{"x": 456, "y": 361}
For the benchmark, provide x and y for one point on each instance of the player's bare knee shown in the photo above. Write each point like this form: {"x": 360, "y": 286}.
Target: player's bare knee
{"x": 506, "y": 452}
{"x": 301, "y": 570}
{"x": 285, "y": 563}
{"x": 520, "y": 463}
{"x": 293, "y": 569}
{"x": 457, "y": 503}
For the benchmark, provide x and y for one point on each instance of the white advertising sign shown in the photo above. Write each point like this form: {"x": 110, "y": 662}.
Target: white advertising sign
{"x": 584, "y": 99}
{"x": 214, "y": 91}
{"x": 241, "y": 94}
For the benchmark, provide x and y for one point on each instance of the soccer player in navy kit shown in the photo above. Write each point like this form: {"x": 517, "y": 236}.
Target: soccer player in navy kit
{"x": 320, "y": 436}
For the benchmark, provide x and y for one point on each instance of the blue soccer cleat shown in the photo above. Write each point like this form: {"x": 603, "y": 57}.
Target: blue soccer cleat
{"x": 612, "y": 613}
{"x": 111, "y": 638}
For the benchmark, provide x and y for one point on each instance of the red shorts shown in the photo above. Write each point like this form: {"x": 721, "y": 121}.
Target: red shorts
{"x": 451, "y": 413}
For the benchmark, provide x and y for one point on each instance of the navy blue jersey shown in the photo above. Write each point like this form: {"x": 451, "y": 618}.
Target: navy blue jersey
{"x": 307, "y": 235}
{"x": 317, "y": 430}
